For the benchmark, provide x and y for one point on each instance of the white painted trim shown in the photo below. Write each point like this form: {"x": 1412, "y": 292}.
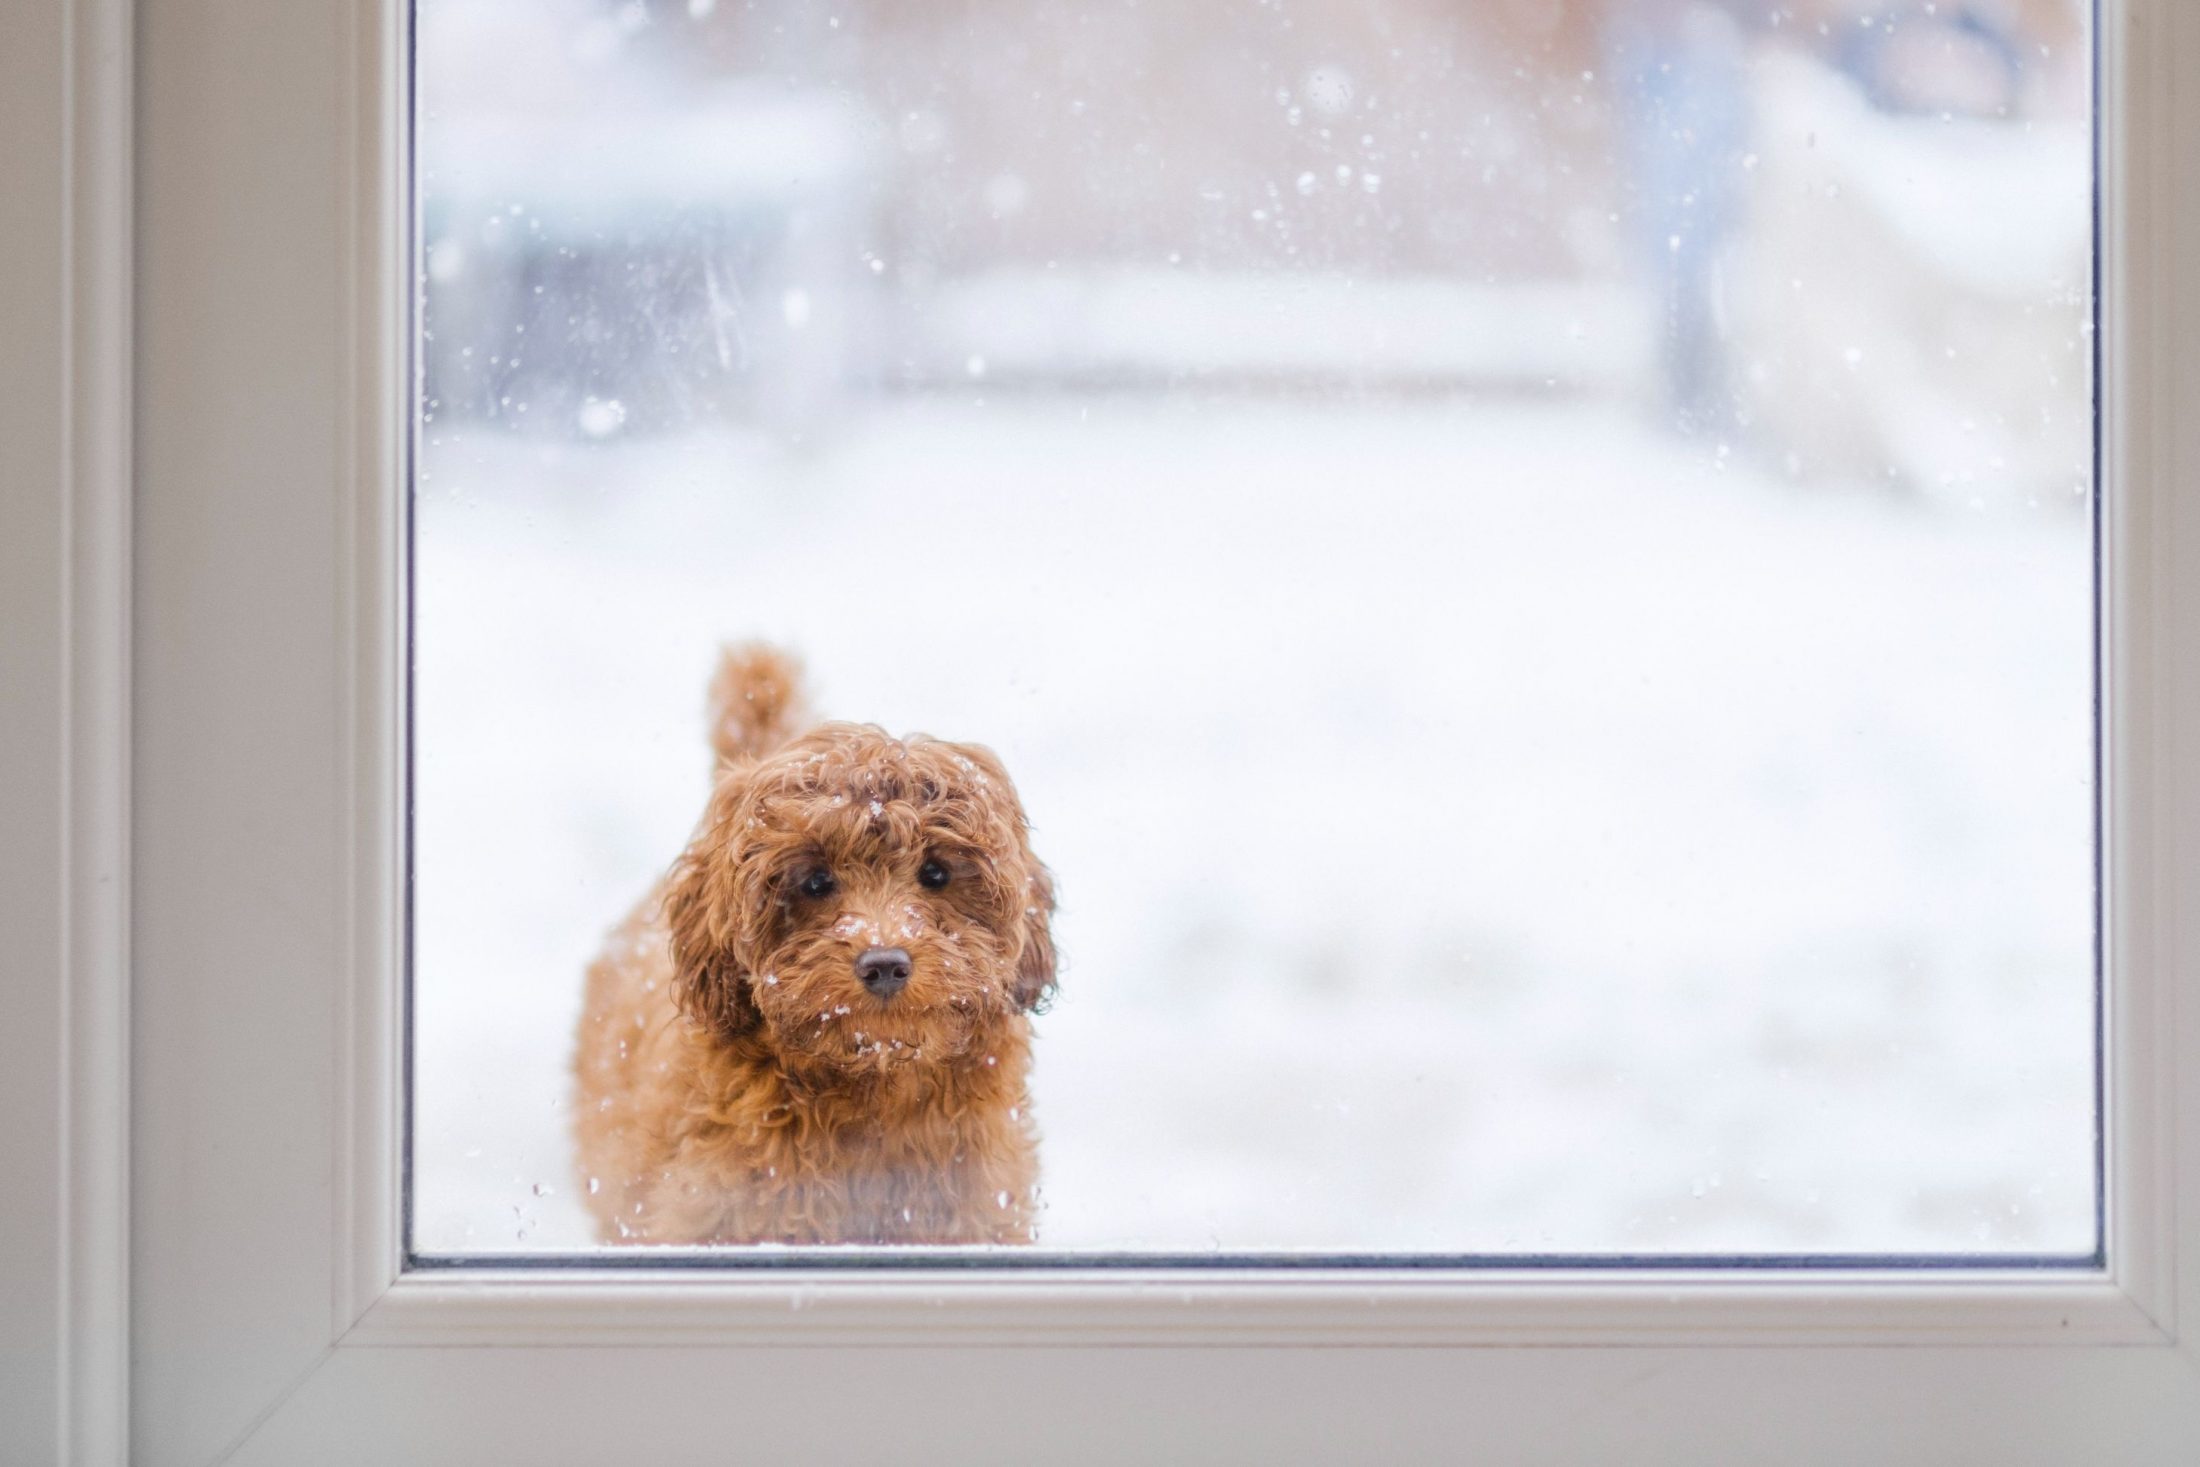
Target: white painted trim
{"x": 1943, "y": 1406}
{"x": 65, "y": 287}
{"x": 267, "y": 485}
{"x": 2140, "y": 773}
{"x": 101, "y": 248}
{"x": 269, "y": 923}
{"x": 1179, "y": 1307}
{"x": 369, "y": 1050}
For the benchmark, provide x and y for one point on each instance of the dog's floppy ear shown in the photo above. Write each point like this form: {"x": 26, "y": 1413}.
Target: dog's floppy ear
{"x": 704, "y": 913}
{"x": 1035, "y": 968}
{"x": 992, "y": 818}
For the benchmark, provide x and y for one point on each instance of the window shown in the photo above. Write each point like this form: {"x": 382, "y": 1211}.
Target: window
{"x": 1532, "y": 567}
{"x": 205, "y": 728}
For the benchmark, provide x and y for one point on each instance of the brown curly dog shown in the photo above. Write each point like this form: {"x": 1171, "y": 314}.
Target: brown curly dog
{"x": 815, "y": 1030}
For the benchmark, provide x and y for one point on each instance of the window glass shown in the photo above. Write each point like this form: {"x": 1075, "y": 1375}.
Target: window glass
{"x": 1530, "y": 564}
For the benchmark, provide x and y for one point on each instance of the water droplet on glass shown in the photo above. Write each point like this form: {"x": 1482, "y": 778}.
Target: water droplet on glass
{"x": 1329, "y": 89}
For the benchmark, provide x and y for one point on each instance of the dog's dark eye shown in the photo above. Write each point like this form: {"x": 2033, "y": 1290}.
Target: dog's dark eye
{"x": 819, "y": 883}
{"x": 932, "y": 875}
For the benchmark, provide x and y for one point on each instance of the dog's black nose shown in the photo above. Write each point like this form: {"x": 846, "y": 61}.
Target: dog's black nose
{"x": 883, "y": 970}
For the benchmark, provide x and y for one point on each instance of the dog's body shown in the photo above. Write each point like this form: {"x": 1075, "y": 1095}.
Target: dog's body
{"x": 757, "y": 1064}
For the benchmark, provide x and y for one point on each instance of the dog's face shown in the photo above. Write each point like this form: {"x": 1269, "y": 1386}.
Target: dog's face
{"x": 862, "y": 902}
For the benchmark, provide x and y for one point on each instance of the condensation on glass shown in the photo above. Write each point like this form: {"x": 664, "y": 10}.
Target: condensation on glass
{"x": 1532, "y": 563}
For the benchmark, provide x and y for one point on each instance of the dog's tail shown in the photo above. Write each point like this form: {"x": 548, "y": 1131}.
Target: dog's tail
{"x": 755, "y": 702}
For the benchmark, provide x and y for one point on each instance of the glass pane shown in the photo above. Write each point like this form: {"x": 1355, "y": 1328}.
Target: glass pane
{"x": 1530, "y": 566}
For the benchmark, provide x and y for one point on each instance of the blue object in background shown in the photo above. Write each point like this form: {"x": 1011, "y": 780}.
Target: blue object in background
{"x": 1683, "y": 115}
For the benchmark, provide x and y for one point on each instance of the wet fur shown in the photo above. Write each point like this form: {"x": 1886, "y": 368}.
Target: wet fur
{"x": 736, "y": 1083}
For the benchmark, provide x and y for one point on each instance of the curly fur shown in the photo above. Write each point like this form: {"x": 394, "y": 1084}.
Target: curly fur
{"x": 736, "y": 1082}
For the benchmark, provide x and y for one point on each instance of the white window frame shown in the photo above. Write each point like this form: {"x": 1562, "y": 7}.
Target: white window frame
{"x": 201, "y": 758}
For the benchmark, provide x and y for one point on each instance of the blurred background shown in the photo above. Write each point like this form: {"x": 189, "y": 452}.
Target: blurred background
{"x": 1531, "y": 562}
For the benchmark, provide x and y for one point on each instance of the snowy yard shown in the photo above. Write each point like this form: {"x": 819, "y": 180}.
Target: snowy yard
{"x": 1482, "y": 822}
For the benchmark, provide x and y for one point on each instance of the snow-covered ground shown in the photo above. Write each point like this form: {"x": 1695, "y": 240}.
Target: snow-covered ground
{"x": 1481, "y": 823}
